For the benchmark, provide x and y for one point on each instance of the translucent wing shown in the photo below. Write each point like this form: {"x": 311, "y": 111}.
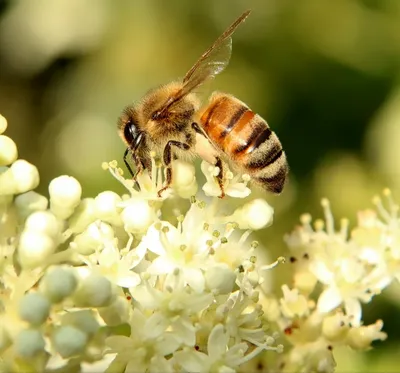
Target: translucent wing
{"x": 214, "y": 60}
{"x": 211, "y": 63}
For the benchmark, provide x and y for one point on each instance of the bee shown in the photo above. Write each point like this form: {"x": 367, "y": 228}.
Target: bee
{"x": 170, "y": 121}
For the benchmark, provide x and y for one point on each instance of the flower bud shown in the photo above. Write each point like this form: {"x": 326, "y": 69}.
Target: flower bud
{"x": 116, "y": 313}
{"x": 65, "y": 195}
{"x": 184, "y": 180}
{"x": 43, "y": 222}
{"x": 58, "y": 283}
{"x": 220, "y": 278}
{"x": 254, "y": 215}
{"x": 3, "y": 124}
{"x": 83, "y": 215}
{"x": 93, "y": 238}
{"x": 293, "y": 303}
{"x": 107, "y": 208}
{"x": 361, "y": 338}
{"x": 69, "y": 341}
{"x": 94, "y": 291}
{"x": 30, "y": 202}
{"x": 34, "y": 308}
{"x": 304, "y": 281}
{"x": 335, "y": 327}
{"x": 8, "y": 151}
{"x": 29, "y": 343}
{"x": 138, "y": 216}
{"x": 19, "y": 178}
{"x": 34, "y": 248}
{"x": 83, "y": 320}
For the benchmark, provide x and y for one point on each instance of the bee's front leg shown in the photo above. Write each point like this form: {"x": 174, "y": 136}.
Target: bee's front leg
{"x": 128, "y": 166}
{"x": 167, "y": 157}
{"x": 139, "y": 165}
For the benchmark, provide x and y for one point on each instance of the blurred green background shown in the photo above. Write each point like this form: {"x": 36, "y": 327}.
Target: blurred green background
{"x": 323, "y": 73}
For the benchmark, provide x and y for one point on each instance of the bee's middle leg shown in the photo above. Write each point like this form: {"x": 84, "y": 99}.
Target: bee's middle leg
{"x": 167, "y": 157}
{"x": 220, "y": 176}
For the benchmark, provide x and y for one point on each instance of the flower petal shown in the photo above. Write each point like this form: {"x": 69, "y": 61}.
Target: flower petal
{"x": 329, "y": 299}
{"x": 217, "y": 342}
{"x": 195, "y": 279}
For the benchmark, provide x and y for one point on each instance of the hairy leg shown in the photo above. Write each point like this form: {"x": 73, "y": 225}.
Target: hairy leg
{"x": 167, "y": 157}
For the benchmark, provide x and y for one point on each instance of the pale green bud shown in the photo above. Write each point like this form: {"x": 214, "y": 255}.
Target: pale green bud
{"x": 83, "y": 320}
{"x": 30, "y": 202}
{"x": 34, "y": 308}
{"x": 58, "y": 283}
{"x": 29, "y": 343}
{"x": 94, "y": 291}
{"x": 69, "y": 341}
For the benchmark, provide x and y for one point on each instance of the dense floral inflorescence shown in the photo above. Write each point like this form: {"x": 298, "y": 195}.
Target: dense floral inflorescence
{"x": 110, "y": 283}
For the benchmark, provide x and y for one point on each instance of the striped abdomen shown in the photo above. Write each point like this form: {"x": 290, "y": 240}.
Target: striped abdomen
{"x": 247, "y": 139}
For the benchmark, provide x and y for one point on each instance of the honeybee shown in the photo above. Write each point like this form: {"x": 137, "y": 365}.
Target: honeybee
{"x": 169, "y": 121}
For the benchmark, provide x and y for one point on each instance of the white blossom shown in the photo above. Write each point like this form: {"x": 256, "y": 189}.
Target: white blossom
{"x": 114, "y": 283}
{"x": 232, "y": 186}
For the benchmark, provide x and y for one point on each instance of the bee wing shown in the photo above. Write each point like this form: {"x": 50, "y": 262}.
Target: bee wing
{"x": 211, "y": 63}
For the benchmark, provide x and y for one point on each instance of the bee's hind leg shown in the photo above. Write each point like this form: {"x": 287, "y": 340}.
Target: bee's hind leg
{"x": 220, "y": 176}
{"x": 167, "y": 157}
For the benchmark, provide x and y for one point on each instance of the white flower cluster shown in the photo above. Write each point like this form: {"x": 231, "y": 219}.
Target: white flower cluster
{"x": 334, "y": 272}
{"x": 107, "y": 282}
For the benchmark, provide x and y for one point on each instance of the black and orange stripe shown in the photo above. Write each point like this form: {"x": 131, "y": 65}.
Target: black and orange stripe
{"x": 246, "y": 139}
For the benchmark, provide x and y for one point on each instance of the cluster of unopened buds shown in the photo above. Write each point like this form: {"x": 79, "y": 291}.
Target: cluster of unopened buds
{"x": 110, "y": 283}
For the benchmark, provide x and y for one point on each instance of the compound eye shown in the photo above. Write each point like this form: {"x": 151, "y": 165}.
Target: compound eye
{"x": 130, "y": 132}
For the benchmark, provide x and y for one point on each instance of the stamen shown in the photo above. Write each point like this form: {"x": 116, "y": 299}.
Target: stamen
{"x": 216, "y": 234}
{"x": 344, "y": 228}
{"x": 254, "y": 244}
{"x": 305, "y": 219}
{"x": 244, "y": 237}
{"x": 381, "y": 209}
{"x": 330, "y": 225}
{"x": 319, "y": 225}
{"x": 280, "y": 260}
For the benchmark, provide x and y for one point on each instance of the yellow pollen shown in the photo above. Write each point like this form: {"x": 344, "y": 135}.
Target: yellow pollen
{"x": 325, "y": 202}
{"x": 305, "y": 219}
{"x": 387, "y": 192}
